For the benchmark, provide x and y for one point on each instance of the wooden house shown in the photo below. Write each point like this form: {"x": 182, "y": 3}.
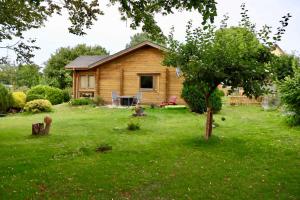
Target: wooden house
{"x": 128, "y": 72}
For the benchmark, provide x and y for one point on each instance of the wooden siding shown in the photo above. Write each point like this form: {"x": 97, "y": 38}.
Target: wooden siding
{"x": 123, "y": 75}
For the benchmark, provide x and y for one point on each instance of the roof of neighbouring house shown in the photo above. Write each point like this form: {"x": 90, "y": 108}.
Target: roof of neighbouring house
{"x": 88, "y": 62}
{"x": 277, "y": 50}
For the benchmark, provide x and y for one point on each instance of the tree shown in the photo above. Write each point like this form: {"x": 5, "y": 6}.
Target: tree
{"x": 28, "y": 75}
{"x": 5, "y": 99}
{"x": 141, "y": 37}
{"x": 231, "y": 56}
{"x": 18, "y": 16}
{"x": 282, "y": 66}
{"x": 55, "y": 73}
{"x": 8, "y": 74}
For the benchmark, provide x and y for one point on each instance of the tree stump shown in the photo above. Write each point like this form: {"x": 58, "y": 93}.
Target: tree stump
{"x": 41, "y": 128}
{"x": 38, "y": 129}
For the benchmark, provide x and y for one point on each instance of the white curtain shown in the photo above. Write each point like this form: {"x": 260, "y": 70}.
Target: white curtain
{"x": 83, "y": 82}
{"x": 91, "y": 81}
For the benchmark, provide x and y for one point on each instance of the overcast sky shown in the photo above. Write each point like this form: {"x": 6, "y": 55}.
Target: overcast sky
{"x": 113, "y": 34}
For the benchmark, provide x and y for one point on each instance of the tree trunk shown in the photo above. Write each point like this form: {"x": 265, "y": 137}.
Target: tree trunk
{"x": 209, "y": 120}
{"x": 209, "y": 117}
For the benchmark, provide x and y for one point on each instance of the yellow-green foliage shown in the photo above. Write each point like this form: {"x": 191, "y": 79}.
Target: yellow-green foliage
{"x": 19, "y": 99}
{"x": 38, "y": 105}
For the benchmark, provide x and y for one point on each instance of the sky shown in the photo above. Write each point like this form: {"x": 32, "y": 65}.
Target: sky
{"x": 113, "y": 34}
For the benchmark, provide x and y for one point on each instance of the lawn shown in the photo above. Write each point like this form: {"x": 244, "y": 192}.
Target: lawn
{"x": 252, "y": 155}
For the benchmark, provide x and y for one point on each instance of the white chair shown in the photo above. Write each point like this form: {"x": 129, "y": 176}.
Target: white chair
{"x": 115, "y": 99}
{"x": 138, "y": 98}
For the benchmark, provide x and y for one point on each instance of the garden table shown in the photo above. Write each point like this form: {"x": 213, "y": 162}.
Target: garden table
{"x": 126, "y": 100}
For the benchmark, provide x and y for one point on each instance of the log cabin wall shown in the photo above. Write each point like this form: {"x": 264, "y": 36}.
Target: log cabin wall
{"x": 123, "y": 76}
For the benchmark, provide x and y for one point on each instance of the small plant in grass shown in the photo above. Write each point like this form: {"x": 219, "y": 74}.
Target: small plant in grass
{"x": 133, "y": 126}
{"x": 104, "y": 148}
{"x": 81, "y": 102}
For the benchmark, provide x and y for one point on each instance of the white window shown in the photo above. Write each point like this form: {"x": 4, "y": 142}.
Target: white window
{"x": 87, "y": 81}
{"x": 91, "y": 82}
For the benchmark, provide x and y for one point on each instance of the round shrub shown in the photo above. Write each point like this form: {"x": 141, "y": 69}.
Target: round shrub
{"x": 31, "y": 97}
{"x": 196, "y": 100}
{"x": 19, "y": 100}
{"x": 81, "y": 101}
{"x": 38, "y": 105}
{"x": 54, "y": 95}
{"x": 5, "y": 99}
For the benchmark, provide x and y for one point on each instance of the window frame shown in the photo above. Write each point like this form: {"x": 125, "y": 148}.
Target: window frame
{"x": 87, "y": 77}
{"x": 154, "y": 81}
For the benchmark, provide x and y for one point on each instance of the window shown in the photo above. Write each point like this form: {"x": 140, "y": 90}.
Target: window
{"x": 91, "y": 83}
{"x": 146, "y": 82}
{"x": 87, "y": 81}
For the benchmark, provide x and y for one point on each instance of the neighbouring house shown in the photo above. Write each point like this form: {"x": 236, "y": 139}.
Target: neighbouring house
{"x": 237, "y": 96}
{"x": 128, "y": 72}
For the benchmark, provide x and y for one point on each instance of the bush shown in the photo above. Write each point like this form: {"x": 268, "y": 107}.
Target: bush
{"x": 5, "y": 99}
{"x": 132, "y": 126}
{"x": 54, "y": 95}
{"x": 196, "y": 100}
{"x": 81, "y": 101}
{"x": 31, "y": 97}
{"x": 19, "y": 100}
{"x": 290, "y": 95}
{"x": 67, "y": 94}
{"x": 293, "y": 119}
{"x": 98, "y": 101}
{"x": 38, "y": 105}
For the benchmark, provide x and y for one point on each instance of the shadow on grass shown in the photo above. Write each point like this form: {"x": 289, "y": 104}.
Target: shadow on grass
{"x": 200, "y": 142}
{"x": 37, "y": 136}
{"x": 218, "y": 144}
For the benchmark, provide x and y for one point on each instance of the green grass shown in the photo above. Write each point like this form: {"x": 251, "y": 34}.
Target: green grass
{"x": 252, "y": 155}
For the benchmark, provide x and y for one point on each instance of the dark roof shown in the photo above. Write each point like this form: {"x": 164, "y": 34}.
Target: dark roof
{"x": 79, "y": 62}
{"x": 84, "y": 62}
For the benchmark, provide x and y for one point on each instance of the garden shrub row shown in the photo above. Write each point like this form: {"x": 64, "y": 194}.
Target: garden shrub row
{"x": 81, "y": 101}
{"x": 47, "y": 96}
